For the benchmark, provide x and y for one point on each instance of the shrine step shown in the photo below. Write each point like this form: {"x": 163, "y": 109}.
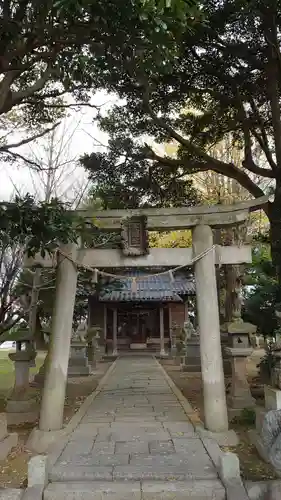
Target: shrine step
{"x": 150, "y": 490}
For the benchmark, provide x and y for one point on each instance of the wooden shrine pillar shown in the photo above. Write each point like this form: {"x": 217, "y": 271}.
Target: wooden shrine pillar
{"x": 162, "y": 332}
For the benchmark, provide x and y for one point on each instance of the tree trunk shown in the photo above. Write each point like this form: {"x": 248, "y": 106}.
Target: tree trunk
{"x": 232, "y": 273}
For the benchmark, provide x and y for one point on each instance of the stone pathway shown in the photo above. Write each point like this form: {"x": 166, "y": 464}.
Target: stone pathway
{"x": 134, "y": 442}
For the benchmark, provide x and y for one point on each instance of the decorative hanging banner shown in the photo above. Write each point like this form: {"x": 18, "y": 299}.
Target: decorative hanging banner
{"x": 134, "y": 236}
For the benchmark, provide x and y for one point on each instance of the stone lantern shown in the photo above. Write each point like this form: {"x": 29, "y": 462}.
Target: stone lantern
{"x": 93, "y": 347}
{"x": 174, "y": 336}
{"x": 22, "y": 405}
{"x": 78, "y": 365}
{"x": 239, "y": 349}
{"x": 189, "y": 336}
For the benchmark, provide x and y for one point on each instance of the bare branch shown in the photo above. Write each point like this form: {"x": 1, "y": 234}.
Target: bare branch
{"x": 7, "y": 147}
{"x": 24, "y": 159}
{"x": 76, "y": 105}
{"x": 19, "y": 96}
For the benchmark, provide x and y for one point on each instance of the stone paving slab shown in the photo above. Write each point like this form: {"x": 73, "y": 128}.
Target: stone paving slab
{"x": 131, "y": 447}
{"x": 175, "y": 460}
{"x": 85, "y": 491}
{"x": 199, "y": 490}
{"x": 135, "y": 432}
{"x": 72, "y": 472}
{"x": 158, "y": 472}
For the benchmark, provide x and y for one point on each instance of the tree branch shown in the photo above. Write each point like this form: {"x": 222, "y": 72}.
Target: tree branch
{"x": 7, "y": 147}
{"x": 248, "y": 161}
{"x": 23, "y": 158}
{"x": 263, "y": 139}
{"x": 208, "y": 162}
{"x": 19, "y": 96}
{"x": 272, "y": 72}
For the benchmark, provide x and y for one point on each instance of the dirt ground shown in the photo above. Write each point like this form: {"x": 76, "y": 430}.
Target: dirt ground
{"x": 190, "y": 384}
{"x": 13, "y": 471}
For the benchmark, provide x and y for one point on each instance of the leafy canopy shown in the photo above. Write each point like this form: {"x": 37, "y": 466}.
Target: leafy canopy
{"x": 37, "y": 227}
{"x": 49, "y": 50}
{"x": 223, "y": 80}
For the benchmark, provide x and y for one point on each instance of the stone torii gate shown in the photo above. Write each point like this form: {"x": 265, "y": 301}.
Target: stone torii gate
{"x": 201, "y": 220}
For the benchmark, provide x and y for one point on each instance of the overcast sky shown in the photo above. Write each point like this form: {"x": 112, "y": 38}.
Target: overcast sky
{"x": 80, "y": 123}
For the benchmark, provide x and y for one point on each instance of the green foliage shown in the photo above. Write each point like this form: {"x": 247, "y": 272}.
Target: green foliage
{"x": 132, "y": 185}
{"x": 172, "y": 239}
{"x": 27, "y": 227}
{"x": 262, "y": 297}
{"x": 267, "y": 363}
{"x": 39, "y": 227}
{"x": 51, "y": 48}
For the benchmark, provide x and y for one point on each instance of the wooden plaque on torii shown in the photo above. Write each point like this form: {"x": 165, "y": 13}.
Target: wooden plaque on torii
{"x": 134, "y": 236}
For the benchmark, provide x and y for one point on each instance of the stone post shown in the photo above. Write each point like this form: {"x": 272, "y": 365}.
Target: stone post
{"x": 162, "y": 333}
{"x": 215, "y": 409}
{"x": 52, "y": 406}
{"x": 114, "y": 339}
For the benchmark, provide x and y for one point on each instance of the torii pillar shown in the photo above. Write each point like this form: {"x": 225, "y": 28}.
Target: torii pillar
{"x": 52, "y": 405}
{"x": 215, "y": 408}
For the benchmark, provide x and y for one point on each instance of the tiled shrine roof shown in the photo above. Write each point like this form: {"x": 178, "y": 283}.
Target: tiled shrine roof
{"x": 150, "y": 288}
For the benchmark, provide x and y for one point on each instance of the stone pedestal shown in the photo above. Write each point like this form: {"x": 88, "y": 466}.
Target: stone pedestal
{"x": 240, "y": 394}
{"x": 191, "y": 361}
{"x": 7, "y": 441}
{"x": 78, "y": 365}
{"x": 22, "y": 406}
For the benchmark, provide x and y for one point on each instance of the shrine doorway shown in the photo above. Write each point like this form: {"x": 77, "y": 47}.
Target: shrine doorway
{"x": 138, "y": 324}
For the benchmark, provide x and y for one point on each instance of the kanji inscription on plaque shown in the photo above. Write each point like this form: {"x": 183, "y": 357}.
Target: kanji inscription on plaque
{"x": 134, "y": 236}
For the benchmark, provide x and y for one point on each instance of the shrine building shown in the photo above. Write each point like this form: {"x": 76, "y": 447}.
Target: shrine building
{"x": 142, "y": 317}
